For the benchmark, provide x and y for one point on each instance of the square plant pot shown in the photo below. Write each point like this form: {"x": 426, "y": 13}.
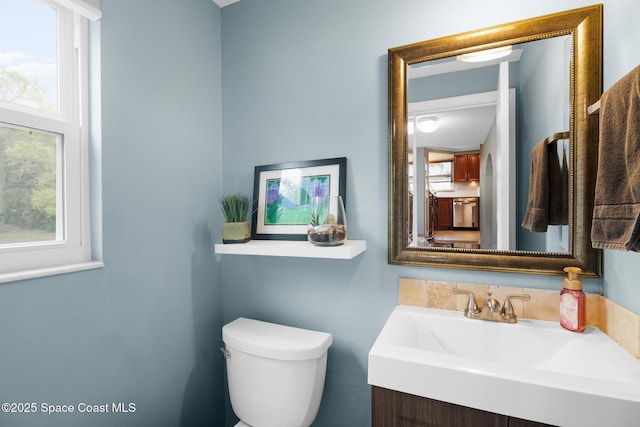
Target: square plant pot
{"x": 236, "y": 232}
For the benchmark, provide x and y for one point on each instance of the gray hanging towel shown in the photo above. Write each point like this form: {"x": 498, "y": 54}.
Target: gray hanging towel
{"x": 616, "y": 212}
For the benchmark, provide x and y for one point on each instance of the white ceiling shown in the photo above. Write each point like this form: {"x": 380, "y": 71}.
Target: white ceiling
{"x": 223, "y": 3}
{"x": 463, "y": 129}
{"x": 465, "y": 121}
{"x": 450, "y": 65}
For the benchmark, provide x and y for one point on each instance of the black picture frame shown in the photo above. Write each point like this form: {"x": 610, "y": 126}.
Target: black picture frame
{"x": 280, "y": 192}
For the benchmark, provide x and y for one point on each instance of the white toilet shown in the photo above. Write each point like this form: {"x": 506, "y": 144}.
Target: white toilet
{"x": 275, "y": 373}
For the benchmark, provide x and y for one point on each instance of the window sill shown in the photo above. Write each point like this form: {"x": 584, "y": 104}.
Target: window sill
{"x": 50, "y": 271}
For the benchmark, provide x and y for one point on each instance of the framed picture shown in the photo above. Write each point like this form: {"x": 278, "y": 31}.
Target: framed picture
{"x": 282, "y": 192}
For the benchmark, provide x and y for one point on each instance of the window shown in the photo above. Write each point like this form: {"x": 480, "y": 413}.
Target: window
{"x": 440, "y": 176}
{"x": 44, "y": 203}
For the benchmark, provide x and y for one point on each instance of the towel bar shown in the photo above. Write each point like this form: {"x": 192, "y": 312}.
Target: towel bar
{"x": 556, "y": 137}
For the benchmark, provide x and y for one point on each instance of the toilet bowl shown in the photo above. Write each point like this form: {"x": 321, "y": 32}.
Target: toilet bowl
{"x": 275, "y": 373}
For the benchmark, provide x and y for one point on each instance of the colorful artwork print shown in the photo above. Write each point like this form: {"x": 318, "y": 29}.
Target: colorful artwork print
{"x": 283, "y": 194}
{"x": 287, "y": 200}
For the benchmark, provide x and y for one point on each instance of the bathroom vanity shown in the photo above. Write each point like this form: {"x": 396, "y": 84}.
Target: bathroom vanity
{"x": 507, "y": 372}
{"x": 394, "y": 409}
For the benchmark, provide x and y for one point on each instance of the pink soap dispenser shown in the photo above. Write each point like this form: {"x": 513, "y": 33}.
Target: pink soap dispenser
{"x": 573, "y": 313}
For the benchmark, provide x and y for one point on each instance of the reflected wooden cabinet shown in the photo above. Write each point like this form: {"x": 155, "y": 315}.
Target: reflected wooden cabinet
{"x": 443, "y": 213}
{"x": 466, "y": 167}
{"x": 396, "y": 409}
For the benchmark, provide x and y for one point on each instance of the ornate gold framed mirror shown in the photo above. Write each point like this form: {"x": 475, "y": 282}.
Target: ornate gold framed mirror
{"x": 500, "y": 243}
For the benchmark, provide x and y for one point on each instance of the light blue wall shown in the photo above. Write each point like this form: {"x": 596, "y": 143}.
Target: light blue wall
{"x": 308, "y": 80}
{"x": 145, "y": 328}
{"x": 450, "y": 84}
{"x": 541, "y": 112}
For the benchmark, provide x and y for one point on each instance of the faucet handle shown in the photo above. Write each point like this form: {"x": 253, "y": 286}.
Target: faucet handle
{"x": 491, "y": 303}
{"x": 507, "y": 307}
{"x": 472, "y": 306}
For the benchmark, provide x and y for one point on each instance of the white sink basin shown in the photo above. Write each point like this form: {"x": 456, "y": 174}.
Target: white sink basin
{"x": 533, "y": 369}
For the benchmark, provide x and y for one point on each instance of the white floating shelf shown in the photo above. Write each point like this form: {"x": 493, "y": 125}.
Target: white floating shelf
{"x": 350, "y": 249}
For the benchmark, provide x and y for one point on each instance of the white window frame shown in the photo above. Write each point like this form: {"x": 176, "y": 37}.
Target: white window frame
{"x": 71, "y": 251}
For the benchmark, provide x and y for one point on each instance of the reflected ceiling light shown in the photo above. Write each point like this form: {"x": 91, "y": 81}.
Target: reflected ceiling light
{"x": 485, "y": 55}
{"x": 410, "y": 126}
{"x": 428, "y": 124}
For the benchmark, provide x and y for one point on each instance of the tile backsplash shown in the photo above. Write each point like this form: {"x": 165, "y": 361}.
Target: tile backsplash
{"x": 619, "y": 323}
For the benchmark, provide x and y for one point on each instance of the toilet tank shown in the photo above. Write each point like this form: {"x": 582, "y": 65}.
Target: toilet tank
{"x": 275, "y": 373}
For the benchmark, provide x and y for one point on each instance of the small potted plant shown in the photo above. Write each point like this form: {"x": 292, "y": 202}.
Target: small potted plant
{"x": 235, "y": 208}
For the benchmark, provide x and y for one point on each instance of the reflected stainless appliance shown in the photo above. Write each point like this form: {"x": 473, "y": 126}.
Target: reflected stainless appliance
{"x": 465, "y": 212}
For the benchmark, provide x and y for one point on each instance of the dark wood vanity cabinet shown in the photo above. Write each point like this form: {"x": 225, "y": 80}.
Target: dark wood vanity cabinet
{"x": 443, "y": 213}
{"x": 396, "y": 409}
{"x": 466, "y": 167}
{"x": 517, "y": 422}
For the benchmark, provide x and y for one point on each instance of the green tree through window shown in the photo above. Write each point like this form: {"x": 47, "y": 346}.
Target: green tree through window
{"x": 27, "y": 185}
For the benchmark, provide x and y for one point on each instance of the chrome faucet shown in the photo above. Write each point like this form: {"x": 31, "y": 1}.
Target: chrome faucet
{"x": 491, "y": 309}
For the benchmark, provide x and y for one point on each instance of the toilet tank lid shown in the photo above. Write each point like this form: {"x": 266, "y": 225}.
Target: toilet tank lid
{"x": 275, "y": 341}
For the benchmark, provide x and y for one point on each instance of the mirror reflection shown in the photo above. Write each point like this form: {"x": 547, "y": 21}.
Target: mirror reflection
{"x": 473, "y": 122}
{"x": 459, "y": 194}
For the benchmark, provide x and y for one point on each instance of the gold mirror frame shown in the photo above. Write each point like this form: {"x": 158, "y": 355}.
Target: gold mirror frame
{"x": 585, "y": 27}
